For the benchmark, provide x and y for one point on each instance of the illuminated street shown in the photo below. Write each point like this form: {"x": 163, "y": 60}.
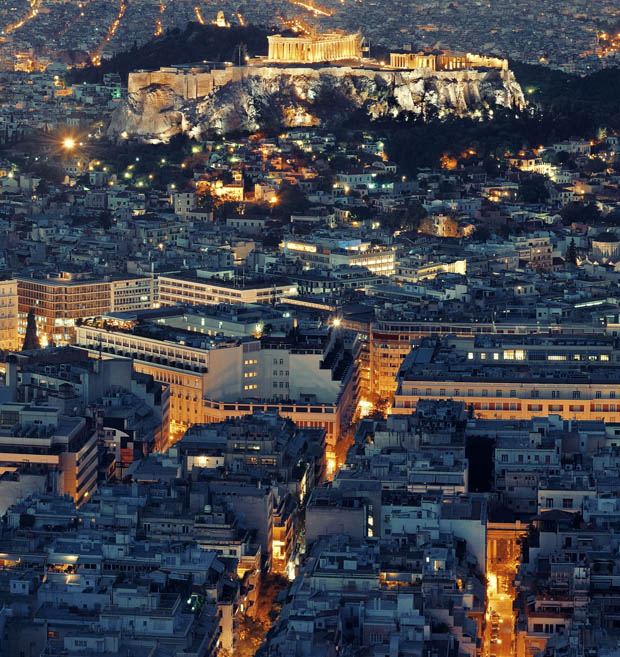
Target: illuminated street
{"x": 502, "y": 564}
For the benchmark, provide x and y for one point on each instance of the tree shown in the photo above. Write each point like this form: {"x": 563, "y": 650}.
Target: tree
{"x": 31, "y": 339}
{"x": 571, "y": 253}
{"x": 578, "y": 212}
{"x": 291, "y": 200}
{"x": 595, "y": 165}
{"x": 415, "y": 213}
{"x": 534, "y": 190}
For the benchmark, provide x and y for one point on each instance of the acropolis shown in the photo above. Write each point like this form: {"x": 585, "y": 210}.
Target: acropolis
{"x": 335, "y": 49}
{"x": 163, "y": 102}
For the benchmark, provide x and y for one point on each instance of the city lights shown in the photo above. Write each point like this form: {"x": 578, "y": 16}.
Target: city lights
{"x": 309, "y": 337}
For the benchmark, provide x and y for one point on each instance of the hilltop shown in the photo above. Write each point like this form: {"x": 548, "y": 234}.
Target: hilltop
{"x": 193, "y": 44}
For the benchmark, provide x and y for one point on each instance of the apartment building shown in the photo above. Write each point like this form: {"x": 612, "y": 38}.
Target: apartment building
{"x": 392, "y": 333}
{"x": 65, "y": 445}
{"x": 535, "y": 251}
{"x": 327, "y": 254}
{"x": 201, "y": 289}
{"x": 308, "y": 378}
{"x": 516, "y": 377}
{"x": 9, "y": 337}
{"x": 59, "y": 302}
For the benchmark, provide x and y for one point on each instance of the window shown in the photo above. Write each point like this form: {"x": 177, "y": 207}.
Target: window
{"x": 498, "y": 393}
{"x": 612, "y": 395}
{"x": 513, "y": 393}
{"x": 495, "y": 355}
{"x": 576, "y": 394}
{"x": 504, "y": 458}
{"x": 549, "y": 503}
{"x": 470, "y": 355}
{"x": 567, "y": 503}
{"x": 597, "y": 394}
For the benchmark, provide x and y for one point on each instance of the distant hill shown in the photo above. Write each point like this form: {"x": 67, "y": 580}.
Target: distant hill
{"x": 193, "y": 44}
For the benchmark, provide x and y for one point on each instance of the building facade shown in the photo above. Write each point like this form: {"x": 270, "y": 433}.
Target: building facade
{"x": 59, "y": 302}
{"x": 9, "y": 337}
{"x": 516, "y": 378}
{"x": 196, "y": 290}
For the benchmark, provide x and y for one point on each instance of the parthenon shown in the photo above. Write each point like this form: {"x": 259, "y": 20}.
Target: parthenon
{"x": 316, "y": 48}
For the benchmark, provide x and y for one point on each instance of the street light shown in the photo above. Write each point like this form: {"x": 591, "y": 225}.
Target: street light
{"x": 68, "y": 143}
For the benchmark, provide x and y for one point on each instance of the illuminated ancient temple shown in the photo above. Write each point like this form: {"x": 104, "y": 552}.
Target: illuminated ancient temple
{"x": 314, "y": 48}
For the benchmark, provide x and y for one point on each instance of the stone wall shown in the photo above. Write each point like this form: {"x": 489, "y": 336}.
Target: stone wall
{"x": 188, "y": 83}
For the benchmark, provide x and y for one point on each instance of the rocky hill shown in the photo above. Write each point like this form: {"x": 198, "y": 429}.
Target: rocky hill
{"x": 273, "y": 97}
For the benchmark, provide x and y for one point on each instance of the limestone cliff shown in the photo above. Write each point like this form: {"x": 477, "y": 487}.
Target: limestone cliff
{"x": 269, "y": 96}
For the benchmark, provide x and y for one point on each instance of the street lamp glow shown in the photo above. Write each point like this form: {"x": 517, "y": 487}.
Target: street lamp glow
{"x": 68, "y": 143}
